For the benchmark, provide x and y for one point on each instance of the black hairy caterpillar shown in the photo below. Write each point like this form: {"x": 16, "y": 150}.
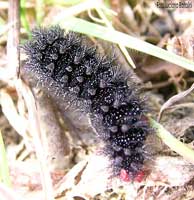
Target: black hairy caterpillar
{"x": 69, "y": 69}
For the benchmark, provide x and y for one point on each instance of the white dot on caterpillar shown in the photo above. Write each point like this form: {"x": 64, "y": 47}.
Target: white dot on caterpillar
{"x": 116, "y": 117}
{"x": 124, "y": 128}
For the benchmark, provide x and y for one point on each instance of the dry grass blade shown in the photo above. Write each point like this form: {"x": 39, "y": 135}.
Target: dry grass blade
{"x": 122, "y": 47}
{"x": 4, "y": 169}
{"x": 174, "y": 99}
{"x": 13, "y": 37}
{"x": 86, "y": 174}
{"x": 55, "y": 142}
{"x": 68, "y": 182}
{"x": 6, "y": 28}
{"x": 10, "y": 111}
{"x": 79, "y": 8}
{"x": 35, "y": 127}
{"x": 4, "y": 5}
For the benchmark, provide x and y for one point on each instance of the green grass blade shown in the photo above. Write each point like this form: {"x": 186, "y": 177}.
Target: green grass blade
{"x": 63, "y": 2}
{"x": 4, "y": 169}
{"x": 40, "y": 4}
{"x": 172, "y": 142}
{"x": 92, "y": 29}
{"x": 23, "y": 17}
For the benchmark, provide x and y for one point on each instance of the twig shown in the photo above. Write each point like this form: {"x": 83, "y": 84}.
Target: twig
{"x": 13, "y": 55}
{"x": 35, "y": 127}
{"x": 54, "y": 141}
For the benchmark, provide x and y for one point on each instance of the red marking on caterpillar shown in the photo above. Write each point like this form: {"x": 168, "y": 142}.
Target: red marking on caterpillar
{"x": 65, "y": 66}
{"x": 139, "y": 177}
{"x": 124, "y": 176}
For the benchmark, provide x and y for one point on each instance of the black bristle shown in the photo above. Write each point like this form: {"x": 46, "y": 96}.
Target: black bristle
{"x": 77, "y": 72}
